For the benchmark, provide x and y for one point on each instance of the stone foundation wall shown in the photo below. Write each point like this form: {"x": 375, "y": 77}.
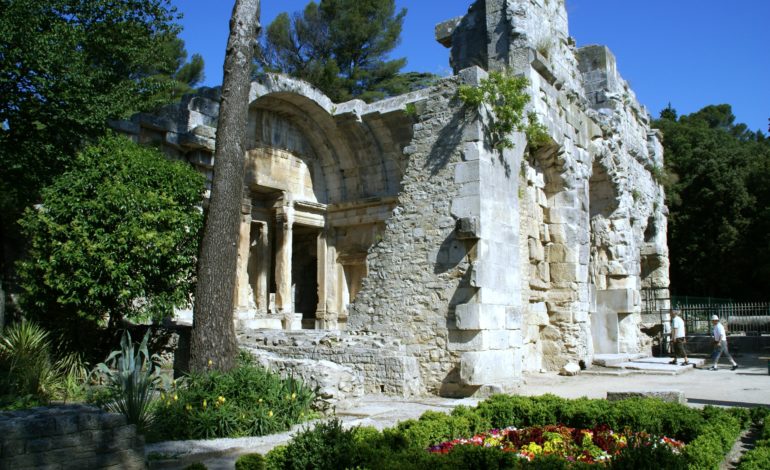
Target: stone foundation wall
{"x": 370, "y": 363}
{"x": 69, "y": 437}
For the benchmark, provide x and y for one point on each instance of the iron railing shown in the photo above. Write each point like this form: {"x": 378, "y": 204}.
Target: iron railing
{"x": 738, "y": 318}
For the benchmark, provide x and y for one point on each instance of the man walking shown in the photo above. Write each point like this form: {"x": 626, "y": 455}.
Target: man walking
{"x": 678, "y": 337}
{"x": 720, "y": 344}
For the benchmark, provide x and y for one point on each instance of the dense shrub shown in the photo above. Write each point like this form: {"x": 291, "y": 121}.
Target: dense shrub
{"x": 759, "y": 457}
{"x": 711, "y": 432}
{"x": 715, "y": 439}
{"x": 250, "y": 462}
{"x": 115, "y": 237}
{"x": 327, "y": 445}
{"x": 246, "y": 401}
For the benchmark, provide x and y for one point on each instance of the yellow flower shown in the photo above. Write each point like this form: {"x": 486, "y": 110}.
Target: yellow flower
{"x": 259, "y": 401}
{"x": 205, "y": 404}
{"x": 188, "y": 407}
{"x": 176, "y": 397}
{"x": 221, "y": 399}
{"x": 270, "y": 413}
{"x": 293, "y": 396}
{"x": 211, "y": 363}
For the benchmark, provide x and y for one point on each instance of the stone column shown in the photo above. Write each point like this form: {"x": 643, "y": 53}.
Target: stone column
{"x": 283, "y": 298}
{"x": 242, "y": 288}
{"x": 321, "y": 276}
{"x": 262, "y": 252}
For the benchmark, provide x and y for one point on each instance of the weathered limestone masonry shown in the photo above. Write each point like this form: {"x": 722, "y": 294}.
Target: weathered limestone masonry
{"x": 388, "y": 248}
{"x": 69, "y": 437}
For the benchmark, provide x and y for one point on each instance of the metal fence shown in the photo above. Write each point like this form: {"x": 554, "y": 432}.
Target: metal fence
{"x": 738, "y": 318}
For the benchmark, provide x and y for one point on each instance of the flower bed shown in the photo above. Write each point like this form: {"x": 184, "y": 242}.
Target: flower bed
{"x": 597, "y": 445}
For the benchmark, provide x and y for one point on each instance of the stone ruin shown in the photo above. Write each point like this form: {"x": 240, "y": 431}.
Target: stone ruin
{"x": 387, "y": 247}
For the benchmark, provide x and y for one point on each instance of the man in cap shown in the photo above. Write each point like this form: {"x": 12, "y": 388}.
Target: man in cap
{"x": 720, "y": 344}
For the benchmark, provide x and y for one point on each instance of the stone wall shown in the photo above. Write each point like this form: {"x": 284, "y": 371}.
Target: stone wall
{"x": 593, "y": 230}
{"x": 440, "y": 264}
{"x": 68, "y": 437}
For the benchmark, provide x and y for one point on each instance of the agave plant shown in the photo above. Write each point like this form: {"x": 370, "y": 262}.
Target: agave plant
{"x": 25, "y": 361}
{"x": 134, "y": 377}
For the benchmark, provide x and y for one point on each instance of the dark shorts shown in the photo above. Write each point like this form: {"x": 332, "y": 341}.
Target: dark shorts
{"x": 679, "y": 348}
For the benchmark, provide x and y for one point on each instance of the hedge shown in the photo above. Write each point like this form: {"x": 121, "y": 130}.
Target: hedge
{"x": 709, "y": 434}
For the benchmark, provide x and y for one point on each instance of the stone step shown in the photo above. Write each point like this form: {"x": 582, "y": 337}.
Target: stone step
{"x": 642, "y": 365}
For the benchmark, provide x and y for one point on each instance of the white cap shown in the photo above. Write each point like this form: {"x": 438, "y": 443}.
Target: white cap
{"x": 714, "y": 317}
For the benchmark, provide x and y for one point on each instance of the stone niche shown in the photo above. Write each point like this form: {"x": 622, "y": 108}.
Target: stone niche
{"x": 393, "y": 240}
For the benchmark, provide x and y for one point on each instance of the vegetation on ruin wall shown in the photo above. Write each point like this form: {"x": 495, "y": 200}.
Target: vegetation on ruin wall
{"x": 506, "y": 95}
{"x": 719, "y": 203}
{"x": 708, "y": 434}
{"x": 116, "y": 236}
{"x": 341, "y": 47}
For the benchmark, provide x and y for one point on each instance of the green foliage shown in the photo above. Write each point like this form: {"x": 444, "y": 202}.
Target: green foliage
{"x": 246, "y": 401}
{"x": 29, "y": 376}
{"x": 709, "y": 432}
{"x": 434, "y": 427}
{"x": 68, "y": 66}
{"x": 758, "y": 457}
{"x": 647, "y": 458}
{"x": 341, "y": 47}
{"x": 117, "y": 236}
{"x": 507, "y": 97}
{"x": 196, "y": 466}
{"x": 250, "y": 462}
{"x": 758, "y": 415}
{"x": 327, "y": 445}
{"x": 134, "y": 378}
{"x": 719, "y": 201}
{"x": 716, "y": 438}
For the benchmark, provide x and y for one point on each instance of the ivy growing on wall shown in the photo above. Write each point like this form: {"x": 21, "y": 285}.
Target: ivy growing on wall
{"x": 506, "y": 95}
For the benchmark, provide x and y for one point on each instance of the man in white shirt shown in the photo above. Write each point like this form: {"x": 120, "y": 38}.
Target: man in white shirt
{"x": 678, "y": 337}
{"x": 720, "y": 344}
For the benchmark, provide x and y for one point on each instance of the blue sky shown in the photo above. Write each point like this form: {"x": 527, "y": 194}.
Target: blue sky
{"x": 691, "y": 53}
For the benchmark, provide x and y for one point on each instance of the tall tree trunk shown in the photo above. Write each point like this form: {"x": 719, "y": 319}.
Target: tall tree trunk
{"x": 213, "y": 344}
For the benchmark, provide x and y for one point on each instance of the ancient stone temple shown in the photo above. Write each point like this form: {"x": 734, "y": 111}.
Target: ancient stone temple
{"x": 389, "y": 248}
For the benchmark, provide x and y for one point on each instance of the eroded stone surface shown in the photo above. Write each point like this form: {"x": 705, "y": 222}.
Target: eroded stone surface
{"x": 430, "y": 261}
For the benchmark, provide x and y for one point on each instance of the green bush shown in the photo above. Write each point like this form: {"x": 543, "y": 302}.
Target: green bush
{"x": 758, "y": 413}
{"x": 716, "y": 438}
{"x": 196, "y": 466}
{"x": 434, "y": 427}
{"x": 711, "y": 432}
{"x": 250, "y": 462}
{"x": 647, "y": 458}
{"x": 758, "y": 458}
{"x": 325, "y": 446}
{"x": 116, "y": 236}
{"x": 246, "y": 401}
{"x": 28, "y": 374}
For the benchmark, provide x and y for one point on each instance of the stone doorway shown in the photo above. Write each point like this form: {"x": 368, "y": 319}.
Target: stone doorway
{"x": 304, "y": 274}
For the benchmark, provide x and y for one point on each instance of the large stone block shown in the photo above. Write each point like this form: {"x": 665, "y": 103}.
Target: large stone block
{"x": 568, "y": 272}
{"x": 480, "y": 317}
{"x": 479, "y": 340}
{"x": 616, "y": 300}
{"x": 487, "y": 367}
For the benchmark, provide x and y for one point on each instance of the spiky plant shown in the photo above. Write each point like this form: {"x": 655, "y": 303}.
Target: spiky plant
{"x": 133, "y": 376}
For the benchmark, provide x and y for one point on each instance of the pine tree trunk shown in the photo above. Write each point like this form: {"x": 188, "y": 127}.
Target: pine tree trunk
{"x": 213, "y": 344}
